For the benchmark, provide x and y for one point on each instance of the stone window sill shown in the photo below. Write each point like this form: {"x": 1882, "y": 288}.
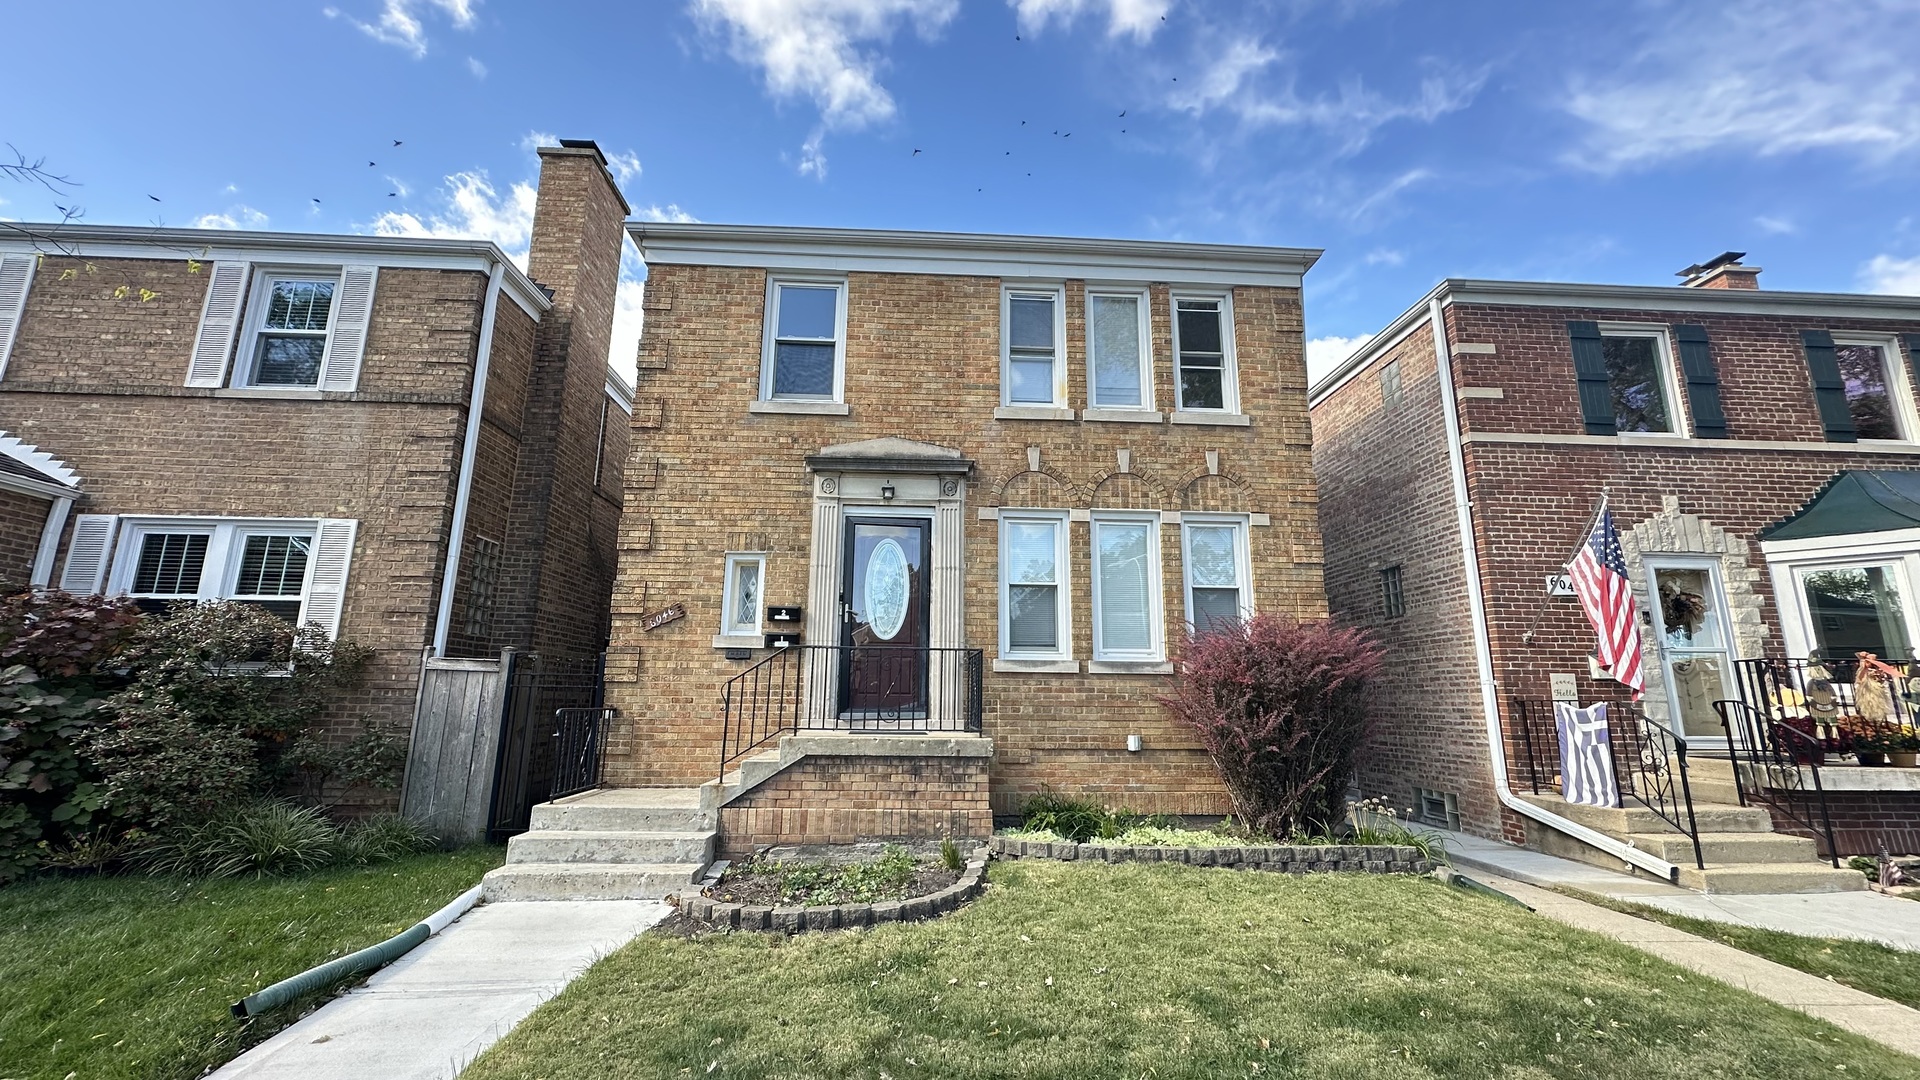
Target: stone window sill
{"x": 1213, "y": 419}
{"x": 800, "y": 408}
{"x": 1031, "y": 412}
{"x": 284, "y": 393}
{"x": 1063, "y": 667}
{"x": 741, "y": 641}
{"x": 1129, "y": 667}
{"x": 1123, "y": 416}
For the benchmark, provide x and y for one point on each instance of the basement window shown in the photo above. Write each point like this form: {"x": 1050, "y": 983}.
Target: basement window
{"x": 1440, "y": 808}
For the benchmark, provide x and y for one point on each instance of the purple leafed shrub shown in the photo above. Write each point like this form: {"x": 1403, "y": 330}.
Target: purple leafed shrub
{"x": 1282, "y": 706}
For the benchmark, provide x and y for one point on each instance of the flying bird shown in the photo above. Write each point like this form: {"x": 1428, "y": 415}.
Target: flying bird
{"x": 916, "y": 153}
{"x": 393, "y": 194}
{"x": 155, "y": 198}
{"x": 396, "y": 142}
{"x": 316, "y": 202}
{"x": 371, "y": 164}
{"x": 1123, "y": 112}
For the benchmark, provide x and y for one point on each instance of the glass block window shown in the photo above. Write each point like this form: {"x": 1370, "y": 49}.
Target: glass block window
{"x": 1392, "y": 599}
{"x": 483, "y": 585}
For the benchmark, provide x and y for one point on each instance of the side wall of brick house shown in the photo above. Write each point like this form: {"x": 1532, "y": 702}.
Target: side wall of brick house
{"x": 22, "y": 517}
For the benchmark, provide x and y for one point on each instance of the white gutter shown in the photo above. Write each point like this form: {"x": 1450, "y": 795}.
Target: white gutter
{"x": 456, "y": 537}
{"x": 1483, "y": 648}
{"x": 42, "y": 574}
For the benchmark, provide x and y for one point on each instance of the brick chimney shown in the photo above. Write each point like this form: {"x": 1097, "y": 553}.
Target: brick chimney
{"x": 1723, "y": 271}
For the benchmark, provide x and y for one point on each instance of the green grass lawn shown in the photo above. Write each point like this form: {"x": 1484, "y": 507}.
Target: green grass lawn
{"x": 1869, "y": 966}
{"x": 1135, "y": 970}
{"x": 131, "y": 976}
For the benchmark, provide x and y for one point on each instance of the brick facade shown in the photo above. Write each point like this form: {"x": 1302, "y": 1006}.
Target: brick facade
{"x": 22, "y": 517}
{"x": 828, "y": 800}
{"x": 707, "y": 475}
{"x": 1533, "y": 476}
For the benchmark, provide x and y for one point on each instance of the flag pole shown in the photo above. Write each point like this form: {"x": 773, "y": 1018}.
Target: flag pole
{"x": 1586, "y": 534}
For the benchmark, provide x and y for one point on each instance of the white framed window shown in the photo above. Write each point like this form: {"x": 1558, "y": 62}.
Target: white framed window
{"x": 1035, "y": 613}
{"x": 1218, "y": 574}
{"x": 302, "y": 328}
{"x": 288, "y": 324}
{"x": 1640, "y": 379}
{"x": 1205, "y": 378}
{"x": 1033, "y": 326}
{"x": 1879, "y": 394}
{"x": 804, "y": 356}
{"x": 1119, "y": 350}
{"x": 295, "y": 568}
{"x": 1127, "y": 619}
{"x": 743, "y": 597}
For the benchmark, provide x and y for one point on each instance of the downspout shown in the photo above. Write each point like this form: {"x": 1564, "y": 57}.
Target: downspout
{"x": 1482, "y": 646}
{"x": 42, "y": 575}
{"x": 456, "y": 537}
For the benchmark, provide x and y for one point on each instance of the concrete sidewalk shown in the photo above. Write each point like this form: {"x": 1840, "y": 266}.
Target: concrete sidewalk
{"x": 1883, "y": 1021}
{"x": 430, "y": 1013}
{"x": 1863, "y": 916}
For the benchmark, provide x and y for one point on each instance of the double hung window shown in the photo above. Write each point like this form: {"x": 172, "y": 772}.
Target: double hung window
{"x": 1639, "y": 380}
{"x": 1216, "y": 568}
{"x": 1032, "y": 373}
{"x": 1203, "y": 350}
{"x": 1875, "y": 392}
{"x": 290, "y": 339}
{"x": 1126, "y": 587}
{"x": 805, "y": 340}
{"x": 1033, "y": 585}
{"x": 1120, "y": 375}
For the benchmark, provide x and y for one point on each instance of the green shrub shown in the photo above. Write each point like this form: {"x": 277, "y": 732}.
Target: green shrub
{"x": 950, "y": 855}
{"x": 885, "y": 878}
{"x": 269, "y": 838}
{"x": 1081, "y": 820}
{"x": 382, "y": 838}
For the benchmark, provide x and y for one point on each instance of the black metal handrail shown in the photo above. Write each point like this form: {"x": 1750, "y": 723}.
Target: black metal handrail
{"x": 581, "y": 752}
{"x": 884, "y": 689}
{"x": 1773, "y": 763}
{"x": 1649, "y": 761}
{"x": 1787, "y": 689}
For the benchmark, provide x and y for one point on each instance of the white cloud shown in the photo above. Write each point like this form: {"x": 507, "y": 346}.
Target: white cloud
{"x": 1362, "y": 210}
{"x": 399, "y": 186}
{"x": 1767, "y": 77}
{"x": 823, "y": 50}
{"x": 1385, "y": 257}
{"x": 1243, "y": 80}
{"x": 623, "y": 350}
{"x": 534, "y": 140}
{"x": 239, "y": 216}
{"x": 1138, "y": 19}
{"x": 1887, "y": 274}
{"x": 1775, "y": 226}
{"x": 1325, "y": 353}
{"x": 624, "y": 166}
{"x": 474, "y": 210}
{"x": 476, "y": 68}
{"x": 401, "y": 24}
{"x": 670, "y": 212}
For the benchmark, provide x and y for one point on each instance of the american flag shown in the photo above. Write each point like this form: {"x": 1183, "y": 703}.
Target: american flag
{"x": 1599, "y": 576}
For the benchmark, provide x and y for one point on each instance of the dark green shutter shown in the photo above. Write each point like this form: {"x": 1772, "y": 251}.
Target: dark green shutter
{"x": 1590, "y": 367}
{"x": 1829, "y": 389}
{"x": 1703, "y": 384}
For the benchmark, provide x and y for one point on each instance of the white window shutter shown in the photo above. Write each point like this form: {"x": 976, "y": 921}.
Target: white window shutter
{"x": 88, "y": 553}
{"x": 348, "y": 342}
{"x": 16, "y": 273}
{"x": 226, "y": 288}
{"x": 327, "y": 588}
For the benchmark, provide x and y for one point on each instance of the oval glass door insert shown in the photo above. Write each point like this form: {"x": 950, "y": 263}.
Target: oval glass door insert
{"x": 887, "y": 589}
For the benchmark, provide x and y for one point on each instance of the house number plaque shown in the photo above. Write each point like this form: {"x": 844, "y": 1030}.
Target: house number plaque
{"x": 670, "y": 613}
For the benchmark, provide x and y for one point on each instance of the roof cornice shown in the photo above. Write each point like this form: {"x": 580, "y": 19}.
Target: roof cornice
{"x": 141, "y": 241}
{"x": 971, "y": 254}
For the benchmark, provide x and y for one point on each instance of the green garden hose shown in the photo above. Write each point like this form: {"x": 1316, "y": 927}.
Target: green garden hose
{"x": 354, "y": 963}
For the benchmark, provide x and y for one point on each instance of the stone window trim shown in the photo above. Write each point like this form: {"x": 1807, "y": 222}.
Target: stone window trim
{"x": 1210, "y": 418}
{"x": 1056, "y": 294}
{"x": 1667, "y": 369}
{"x": 1062, "y": 650}
{"x": 1898, "y": 382}
{"x": 1229, "y": 356}
{"x": 770, "y": 342}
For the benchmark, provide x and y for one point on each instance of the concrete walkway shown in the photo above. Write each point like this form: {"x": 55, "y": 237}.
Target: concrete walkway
{"x": 1883, "y": 1021}
{"x": 1863, "y": 916}
{"x": 429, "y": 1014}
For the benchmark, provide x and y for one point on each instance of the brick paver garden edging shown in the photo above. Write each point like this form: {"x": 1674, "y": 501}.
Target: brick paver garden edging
{"x": 1286, "y": 859}
{"x": 795, "y": 920}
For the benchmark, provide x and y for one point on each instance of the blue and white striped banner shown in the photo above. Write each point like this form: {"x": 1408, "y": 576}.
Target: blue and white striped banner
{"x": 1586, "y": 755}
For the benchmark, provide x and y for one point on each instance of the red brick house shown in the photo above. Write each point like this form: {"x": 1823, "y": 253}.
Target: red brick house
{"x": 1760, "y": 454}
{"x": 404, "y": 441}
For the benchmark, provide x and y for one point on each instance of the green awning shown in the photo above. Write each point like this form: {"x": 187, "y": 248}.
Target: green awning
{"x": 1855, "y": 501}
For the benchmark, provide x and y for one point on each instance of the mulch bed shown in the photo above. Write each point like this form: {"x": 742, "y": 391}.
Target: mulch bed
{"x": 710, "y": 909}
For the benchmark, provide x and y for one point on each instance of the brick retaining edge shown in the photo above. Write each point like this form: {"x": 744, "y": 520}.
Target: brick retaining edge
{"x": 797, "y": 920}
{"x": 1288, "y": 859}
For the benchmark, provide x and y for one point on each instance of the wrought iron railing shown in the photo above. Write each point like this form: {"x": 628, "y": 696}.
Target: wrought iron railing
{"x": 1649, "y": 761}
{"x": 898, "y": 689}
{"x": 581, "y": 750}
{"x": 1817, "y": 698}
{"x": 1777, "y": 765}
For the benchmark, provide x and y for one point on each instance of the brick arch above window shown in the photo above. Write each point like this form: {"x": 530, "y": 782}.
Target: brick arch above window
{"x": 1131, "y": 490}
{"x": 1218, "y": 493}
{"x": 1042, "y": 487}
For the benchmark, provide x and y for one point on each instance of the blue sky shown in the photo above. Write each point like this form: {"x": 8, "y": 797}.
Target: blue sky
{"x": 1612, "y": 142}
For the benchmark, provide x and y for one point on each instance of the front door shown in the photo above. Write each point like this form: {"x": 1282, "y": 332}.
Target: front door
{"x": 1690, "y": 625}
{"x": 884, "y": 618}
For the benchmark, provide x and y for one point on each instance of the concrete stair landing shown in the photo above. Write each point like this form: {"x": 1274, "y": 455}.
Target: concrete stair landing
{"x": 618, "y": 844}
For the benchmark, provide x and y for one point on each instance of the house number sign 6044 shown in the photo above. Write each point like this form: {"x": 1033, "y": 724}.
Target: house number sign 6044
{"x": 1559, "y": 585}
{"x": 665, "y": 615}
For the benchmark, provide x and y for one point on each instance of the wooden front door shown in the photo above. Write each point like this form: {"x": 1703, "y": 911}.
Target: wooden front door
{"x": 884, "y": 618}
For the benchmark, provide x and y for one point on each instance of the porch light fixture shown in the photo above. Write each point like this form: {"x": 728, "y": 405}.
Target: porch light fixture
{"x": 886, "y": 493}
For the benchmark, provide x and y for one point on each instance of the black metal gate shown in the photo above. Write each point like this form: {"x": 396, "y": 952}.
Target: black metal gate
{"x": 540, "y": 690}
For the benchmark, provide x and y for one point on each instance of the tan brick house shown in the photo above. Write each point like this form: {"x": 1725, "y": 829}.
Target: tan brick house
{"x": 405, "y": 441}
{"x": 1460, "y": 455}
{"x": 981, "y": 485}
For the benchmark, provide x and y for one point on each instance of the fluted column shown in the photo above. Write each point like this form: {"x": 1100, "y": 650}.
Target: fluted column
{"x": 823, "y": 595}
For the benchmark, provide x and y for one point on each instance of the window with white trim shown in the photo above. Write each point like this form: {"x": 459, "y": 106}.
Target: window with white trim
{"x": 1119, "y": 371}
{"x": 1033, "y": 325}
{"x": 1640, "y": 379}
{"x": 266, "y": 564}
{"x": 805, "y": 351}
{"x": 742, "y": 597}
{"x": 1215, "y": 559}
{"x": 287, "y": 340}
{"x": 1127, "y": 619}
{"x": 1205, "y": 379}
{"x": 1034, "y": 609}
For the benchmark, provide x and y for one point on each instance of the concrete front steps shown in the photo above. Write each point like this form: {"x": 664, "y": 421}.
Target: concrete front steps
{"x": 1742, "y": 852}
{"x": 617, "y": 844}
